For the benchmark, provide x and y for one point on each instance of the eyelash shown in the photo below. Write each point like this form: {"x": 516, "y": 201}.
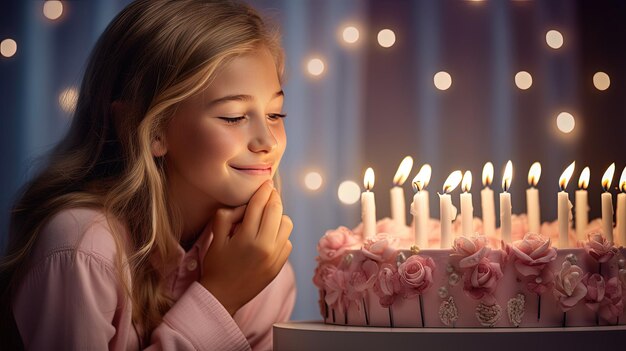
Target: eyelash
{"x": 234, "y": 120}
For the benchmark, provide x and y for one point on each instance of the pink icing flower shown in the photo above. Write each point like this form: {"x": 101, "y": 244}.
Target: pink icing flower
{"x": 595, "y": 290}
{"x": 598, "y": 247}
{"x": 612, "y": 306}
{"x": 362, "y": 279}
{"x": 416, "y": 275}
{"x": 387, "y": 285}
{"x": 540, "y": 283}
{"x": 334, "y": 243}
{"x": 531, "y": 254}
{"x": 335, "y": 286}
{"x": 380, "y": 248}
{"x": 568, "y": 286}
{"x": 321, "y": 271}
{"x": 469, "y": 251}
{"x": 481, "y": 281}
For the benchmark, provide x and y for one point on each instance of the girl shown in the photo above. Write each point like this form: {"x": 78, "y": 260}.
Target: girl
{"x": 156, "y": 223}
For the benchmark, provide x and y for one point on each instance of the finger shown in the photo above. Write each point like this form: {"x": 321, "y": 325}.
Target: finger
{"x": 282, "y": 256}
{"x": 256, "y": 206}
{"x": 284, "y": 232}
{"x": 270, "y": 223}
{"x": 223, "y": 223}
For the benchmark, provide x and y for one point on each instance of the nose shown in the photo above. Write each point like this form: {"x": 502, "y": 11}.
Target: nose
{"x": 262, "y": 139}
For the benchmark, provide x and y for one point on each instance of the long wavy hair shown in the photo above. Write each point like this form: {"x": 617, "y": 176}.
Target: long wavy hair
{"x": 153, "y": 55}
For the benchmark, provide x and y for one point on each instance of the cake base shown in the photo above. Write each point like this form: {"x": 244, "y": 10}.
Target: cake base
{"x": 316, "y": 335}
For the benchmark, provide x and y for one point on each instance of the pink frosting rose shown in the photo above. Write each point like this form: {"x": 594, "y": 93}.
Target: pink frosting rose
{"x": 568, "y": 286}
{"x": 334, "y": 243}
{"x": 469, "y": 251}
{"x": 387, "y": 285}
{"x": 598, "y": 247}
{"x": 321, "y": 271}
{"x": 481, "y": 281}
{"x": 416, "y": 275}
{"x": 531, "y": 254}
{"x": 381, "y": 247}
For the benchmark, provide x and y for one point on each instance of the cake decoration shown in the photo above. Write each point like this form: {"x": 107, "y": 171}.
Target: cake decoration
{"x": 448, "y": 312}
{"x": 488, "y": 315}
{"x": 515, "y": 308}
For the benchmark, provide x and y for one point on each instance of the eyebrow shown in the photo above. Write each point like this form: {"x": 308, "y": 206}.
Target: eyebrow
{"x": 240, "y": 97}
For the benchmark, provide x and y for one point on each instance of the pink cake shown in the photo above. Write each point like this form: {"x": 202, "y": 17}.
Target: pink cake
{"x": 479, "y": 282}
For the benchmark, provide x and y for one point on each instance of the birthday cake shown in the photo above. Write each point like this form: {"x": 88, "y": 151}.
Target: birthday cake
{"x": 480, "y": 281}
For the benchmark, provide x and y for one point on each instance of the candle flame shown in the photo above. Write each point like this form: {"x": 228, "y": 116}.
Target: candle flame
{"x": 422, "y": 178}
{"x": 622, "y": 181}
{"x": 583, "y": 181}
{"x": 607, "y": 178}
{"x": 534, "y": 173}
{"x": 487, "y": 173}
{"x": 567, "y": 174}
{"x": 403, "y": 171}
{"x": 508, "y": 176}
{"x": 466, "y": 185}
{"x": 368, "y": 179}
{"x": 452, "y": 181}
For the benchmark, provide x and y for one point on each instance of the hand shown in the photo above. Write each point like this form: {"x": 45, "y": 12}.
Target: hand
{"x": 245, "y": 257}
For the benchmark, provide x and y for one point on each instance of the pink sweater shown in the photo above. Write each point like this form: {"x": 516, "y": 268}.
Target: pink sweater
{"x": 71, "y": 298}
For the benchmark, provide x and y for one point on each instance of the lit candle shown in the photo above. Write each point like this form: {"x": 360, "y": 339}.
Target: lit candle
{"x": 487, "y": 201}
{"x": 447, "y": 210}
{"x": 532, "y": 199}
{"x": 368, "y": 205}
{"x": 421, "y": 213}
{"x": 621, "y": 210}
{"x": 505, "y": 204}
{"x": 564, "y": 206}
{"x": 607, "y": 203}
{"x": 582, "y": 205}
{"x": 397, "y": 193}
{"x": 467, "y": 208}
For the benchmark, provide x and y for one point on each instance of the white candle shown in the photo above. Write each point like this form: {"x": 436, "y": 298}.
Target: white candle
{"x": 582, "y": 205}
{"x": 420, "y": 214}
{"x": 607, "y": 203}
{"x": 398, "y": 209}
{"x": 621, "y": 211}
{"x": 505, "y": 204}
{"x": 467, "y": 207}
{"x": 447, "y": 210}
{"x": 564, "y": 206}
{"x": 487, "y": 201}
{"x": 368, "y": 206}
{"x": 532, "y": 199}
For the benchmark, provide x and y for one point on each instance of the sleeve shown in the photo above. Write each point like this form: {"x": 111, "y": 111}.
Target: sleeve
{"x": 274, "y": 304}
{"x": 73, "y": 301}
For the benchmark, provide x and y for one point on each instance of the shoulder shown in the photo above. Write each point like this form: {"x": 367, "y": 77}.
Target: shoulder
{"x": 85, "y": 230}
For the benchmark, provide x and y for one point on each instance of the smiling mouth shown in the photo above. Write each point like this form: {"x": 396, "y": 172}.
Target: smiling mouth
{"x": 254, "y": 170}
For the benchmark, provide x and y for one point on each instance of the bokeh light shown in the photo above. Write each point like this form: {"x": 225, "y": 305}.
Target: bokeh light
{"x": 67, "y": 99}
{"x": 386, "y": 38}
{"x": 554, "y": 38}
{"x": 315, "y": 66}
{"x": 313, "y": 180}
{"x": 350, "y": 35}
{"x": 52, "y": 9}
{"x": 565, "y": 122}
{"x": 523, "y": 80}
{"x": 442, "y": 80}
{"x": 601, "y": 81}
{"x": 8, "y": 47}
{"x": 349, "y": 192}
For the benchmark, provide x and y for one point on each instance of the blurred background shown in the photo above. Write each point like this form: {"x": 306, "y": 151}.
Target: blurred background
{"x": 452, "y": 83}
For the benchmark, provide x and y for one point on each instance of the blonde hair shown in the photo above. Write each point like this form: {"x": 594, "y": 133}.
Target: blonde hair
{"x": 153, "y": 55}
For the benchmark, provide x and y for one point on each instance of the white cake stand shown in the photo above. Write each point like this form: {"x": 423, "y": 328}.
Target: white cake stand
{"x": 315, "y": 335}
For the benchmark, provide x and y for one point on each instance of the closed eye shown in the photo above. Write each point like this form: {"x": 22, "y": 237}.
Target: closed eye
{"x": 275, "y": 116}
{"x": 232, "y": 120}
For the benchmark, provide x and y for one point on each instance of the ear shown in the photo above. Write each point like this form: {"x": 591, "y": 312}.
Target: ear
{"x": 158, "y": 146}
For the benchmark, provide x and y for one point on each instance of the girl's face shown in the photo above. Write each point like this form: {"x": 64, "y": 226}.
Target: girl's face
{"x": 225, "y": 141}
